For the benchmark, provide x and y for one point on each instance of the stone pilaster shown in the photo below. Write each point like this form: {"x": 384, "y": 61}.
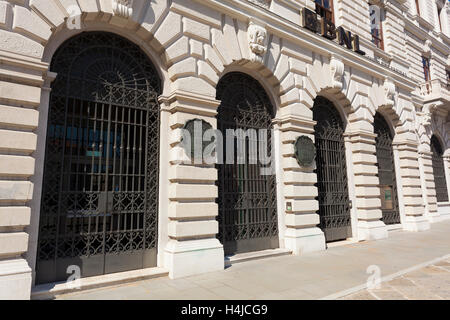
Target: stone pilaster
{"x": 299, "y": 191}
{"x": 410, "y": 187}
{"x": 37, "y": 179}
{"x": 428, "y": 186}
{"x": 20, "y": 94}
{"x": 191, "y": 212}
{"x": 366, "y": 182}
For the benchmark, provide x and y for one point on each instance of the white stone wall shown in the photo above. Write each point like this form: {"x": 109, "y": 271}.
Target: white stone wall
{"x": 193, "y": 44}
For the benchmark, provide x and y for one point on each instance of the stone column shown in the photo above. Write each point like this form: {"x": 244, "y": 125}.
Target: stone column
{"x": 367, "y": 191}
{"x": 414, "y": 219}
{"x": 192, "y": 247}
{"x": 20, "y": 97}
{"x": 428, "y": 186}
{"x": 300, "y": 205}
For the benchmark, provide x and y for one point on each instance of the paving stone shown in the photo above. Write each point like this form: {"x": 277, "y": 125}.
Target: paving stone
{"x": 415, "y": 293}
{"x": 401, "y": 282}
{"x": 363, "y": 295}
{"x": 312, "y": 276}
{"x": 432, "y": 270}
{"x": 226, "y": 292}
{"x": 388, "y": 294}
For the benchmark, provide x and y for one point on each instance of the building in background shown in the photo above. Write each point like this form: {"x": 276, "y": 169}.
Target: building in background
{"x": 94, "y": 96}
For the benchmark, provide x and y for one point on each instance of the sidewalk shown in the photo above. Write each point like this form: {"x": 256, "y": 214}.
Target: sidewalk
{"x": 335, "y": 273}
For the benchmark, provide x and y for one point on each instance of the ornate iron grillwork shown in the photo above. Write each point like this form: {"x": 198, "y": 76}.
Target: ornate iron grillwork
{"x": 334, "y": 202}
{"x": 386, "y": 171}
{"x": 100, "y": 193}
{"x": 247, "y": 199}
{"x": 438, "y": 170}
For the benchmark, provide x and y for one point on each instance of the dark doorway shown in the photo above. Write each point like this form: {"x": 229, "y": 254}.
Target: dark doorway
{"x": 332, "y": 183}
{"x": 99, "y": 205}
{"x": 439, "y": 170}
{"x": 386, "y": 171}
{"x": 247, "y": 198}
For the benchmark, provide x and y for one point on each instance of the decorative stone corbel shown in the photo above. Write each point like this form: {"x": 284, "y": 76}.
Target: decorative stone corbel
{"x": 425, "y": 117}
{"x": 427, "y": 48}
{"x": 257, "y": 40}
{"x": 337, "y": 72}
{"x": 122, "y": 8}
{"x": 425, "y": 120}
{"x": 389, "y": 92}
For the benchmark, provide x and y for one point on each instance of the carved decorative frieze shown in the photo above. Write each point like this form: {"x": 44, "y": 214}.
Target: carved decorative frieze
{"x": 122, "y": 8}
{"x": 337, "y": 72}
{"x": 257, "y": 39}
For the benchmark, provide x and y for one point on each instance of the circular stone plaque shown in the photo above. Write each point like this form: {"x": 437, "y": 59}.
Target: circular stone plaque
{"x": 305, "y": 151}
{"x": 196, "y": 137}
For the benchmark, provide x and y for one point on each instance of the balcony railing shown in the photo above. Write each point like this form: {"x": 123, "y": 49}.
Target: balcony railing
{"x": 435, "y": 90}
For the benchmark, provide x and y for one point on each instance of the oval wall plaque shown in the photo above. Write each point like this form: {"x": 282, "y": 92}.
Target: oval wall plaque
{"x": 305, "y": 151}
{"x": 195, "y": 137}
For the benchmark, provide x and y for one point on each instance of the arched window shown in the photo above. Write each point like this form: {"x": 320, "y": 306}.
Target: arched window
{"x": 439, "y": 170}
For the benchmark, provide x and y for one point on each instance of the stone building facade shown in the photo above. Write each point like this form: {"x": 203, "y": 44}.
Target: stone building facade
{"x": 77, "y": 75}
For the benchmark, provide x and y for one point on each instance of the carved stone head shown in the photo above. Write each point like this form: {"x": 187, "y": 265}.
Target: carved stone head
{"x": 257, "y": 39}
{"x": 337, "y": 72}
{"x": 389, "y": 91}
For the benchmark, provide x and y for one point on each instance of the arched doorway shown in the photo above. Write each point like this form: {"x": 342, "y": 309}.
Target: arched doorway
{"x": 247, "y": 198}
{"x": 439, "y": 170}
{"x": 386, "y": 171}
{"x": 99, "y": 204}
{"x": 332, "y": 183}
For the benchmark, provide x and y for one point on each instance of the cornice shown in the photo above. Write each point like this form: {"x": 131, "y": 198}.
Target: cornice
{"x": 424, "y": 35}
{"x": 295, "y": 33}
{"x": 394, "y": 8}
{"x": 425, "y": 23}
